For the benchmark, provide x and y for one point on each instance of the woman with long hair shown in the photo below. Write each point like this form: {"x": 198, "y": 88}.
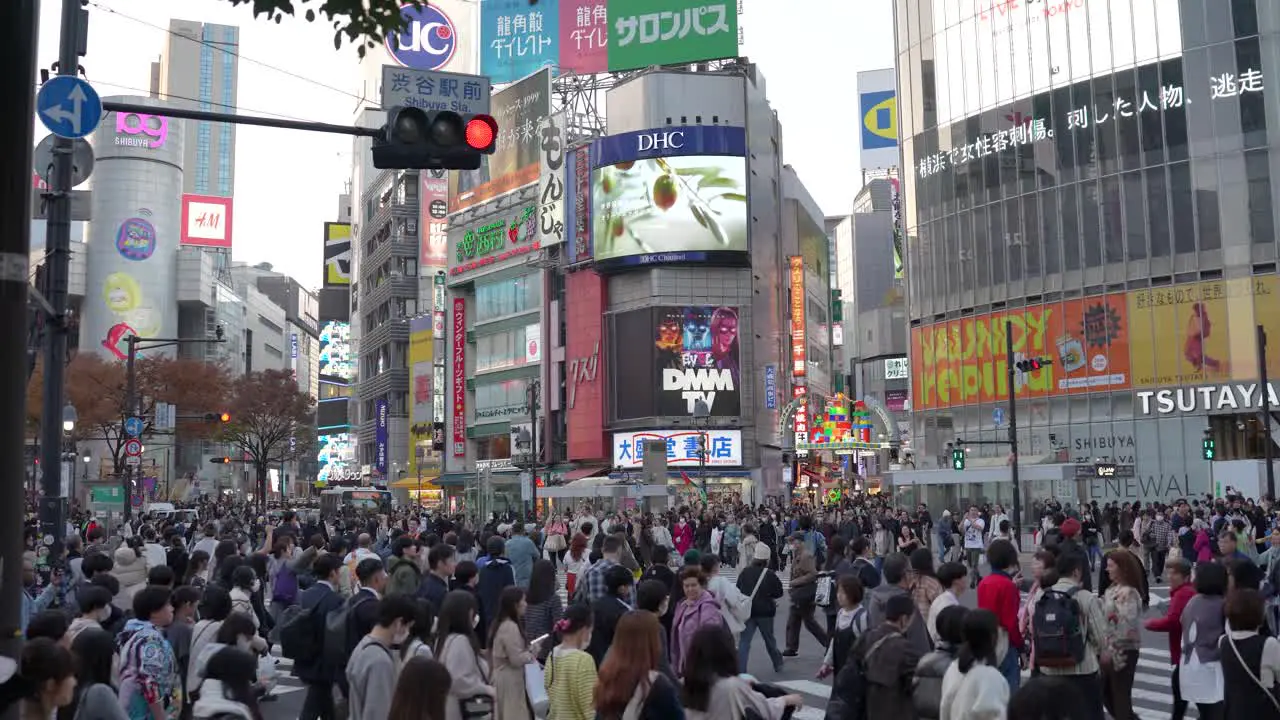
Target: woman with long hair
{"x": 575, "y": 562}
{"x": 422, "y": 691}
{"x": 629, "y": 684}
{"x": 47, "y": 670}
{"x": 228, "y": 687}
{"x": 925, "y": 586}
{"x": 1122, "y": 610}
{"x": 508, "y": 654}
{"x": 95, "y": 697}
{"x": 713, "y": 687}
{"x": 973, "y": 687}
{"x": 458, "y": 649}
{"x": 545, "y": 607}
{"x": 197, "y": 568}
{"x": 570, "y": 669}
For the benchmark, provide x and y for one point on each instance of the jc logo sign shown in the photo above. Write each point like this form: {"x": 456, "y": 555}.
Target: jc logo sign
{"x": 670, "y": 140}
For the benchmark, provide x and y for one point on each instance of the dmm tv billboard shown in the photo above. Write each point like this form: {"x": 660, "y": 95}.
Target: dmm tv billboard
{"x": 694, "y": 357}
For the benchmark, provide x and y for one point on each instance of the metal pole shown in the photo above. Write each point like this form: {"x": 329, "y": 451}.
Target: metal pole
{"x": 130, "y": 410}
{"x": 53, "y": 508}
{"x": 20, "y": 25}
{"x": 1266, "y": 411}
{"x": 535, "y": 390}
{"x": 702, "y": 462}
{"x": 1013, "y": 432}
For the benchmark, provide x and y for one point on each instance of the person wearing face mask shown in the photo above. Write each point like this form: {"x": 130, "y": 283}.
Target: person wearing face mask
{"x": 570, "y": 670}
{"x": 244, "y": 583}
{"x": 95, "y": 609}
{"x": 374, "y": 664}
{"x": 458, "y": 648}
{"x": 1162, "y": 534}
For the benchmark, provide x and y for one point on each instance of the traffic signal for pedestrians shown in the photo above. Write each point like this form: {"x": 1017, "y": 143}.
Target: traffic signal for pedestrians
{"x": 218, "y": 417}
{"x": 957, "y": 455}
{"x": 415, "y": 139}
{"x": 1032, "y": 364}
{"x": 1208, "y": 449}
{"x": 220, "y": 460}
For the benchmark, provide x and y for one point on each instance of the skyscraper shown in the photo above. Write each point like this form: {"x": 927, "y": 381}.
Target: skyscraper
{"x": 198, "y": 68}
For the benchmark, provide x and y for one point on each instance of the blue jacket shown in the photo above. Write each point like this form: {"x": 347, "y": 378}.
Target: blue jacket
{"x": 522, "y": 553}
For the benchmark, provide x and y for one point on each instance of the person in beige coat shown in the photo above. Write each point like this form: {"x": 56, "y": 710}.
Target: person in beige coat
{"x": 458, "y": 650}
{"x": 509, "y": 654}
{"x": 131, "y": 570}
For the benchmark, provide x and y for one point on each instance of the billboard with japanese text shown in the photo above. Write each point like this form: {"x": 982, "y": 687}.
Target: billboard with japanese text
{"x": 670, "y": 32}
{"x": 517, "y": 160}
{"x": 584, "y": 364}
{"x": 421, "y": 390}
{"x": 724, "y": 448}
{"x": 434, "y": 205}
{"x": 697, "y": 359}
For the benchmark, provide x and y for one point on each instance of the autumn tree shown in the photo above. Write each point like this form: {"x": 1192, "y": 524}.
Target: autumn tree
{"x": 96, "y": 388}
{"x": 364, "y": 22}
{"x": 267, "y": 410}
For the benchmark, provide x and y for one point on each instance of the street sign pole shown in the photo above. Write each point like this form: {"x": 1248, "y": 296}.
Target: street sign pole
{"x": 19, "y": 28}
{"x": 53, "y": 506}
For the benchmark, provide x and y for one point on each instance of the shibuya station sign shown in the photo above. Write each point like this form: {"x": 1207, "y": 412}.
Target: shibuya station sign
{"x": 1210, "y": 398}
{"x": 1027, "y": 130}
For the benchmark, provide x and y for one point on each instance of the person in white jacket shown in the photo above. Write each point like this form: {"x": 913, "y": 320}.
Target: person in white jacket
{"x": 734, "y": 606}
{"x": 973, "y": 689}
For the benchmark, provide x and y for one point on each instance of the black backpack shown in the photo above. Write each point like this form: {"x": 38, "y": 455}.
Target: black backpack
{"x": 1058, "y": 636}
{"x": 300, "y": 636}
{"x": 849, "y": 688}
{"x": 339, "y": 630}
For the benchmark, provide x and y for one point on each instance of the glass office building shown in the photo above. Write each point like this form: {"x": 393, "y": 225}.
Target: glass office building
{"x": 1095, "y": 179}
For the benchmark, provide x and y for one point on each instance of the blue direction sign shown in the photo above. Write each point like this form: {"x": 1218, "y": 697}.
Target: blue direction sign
{"x": 133, "y": 426}
{"x": 69, "y": 107}
{"x": 997, "y": 416}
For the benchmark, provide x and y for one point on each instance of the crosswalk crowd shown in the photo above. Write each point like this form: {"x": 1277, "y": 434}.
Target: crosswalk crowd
{"x": 407, "y": 615}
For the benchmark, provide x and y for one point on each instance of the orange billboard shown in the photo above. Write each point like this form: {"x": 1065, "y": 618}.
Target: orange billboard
{"x": 798, "y": 360}
{"x": 962, "y": 362}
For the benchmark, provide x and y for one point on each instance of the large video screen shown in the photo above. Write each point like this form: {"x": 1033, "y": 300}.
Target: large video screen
{"x": 336, "y": 456}
{"x": 698, "y": 359}
{"x": 337, "y": 361}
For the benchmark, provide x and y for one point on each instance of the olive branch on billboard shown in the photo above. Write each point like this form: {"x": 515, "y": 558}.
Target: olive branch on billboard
{"x": 662, "y": 196}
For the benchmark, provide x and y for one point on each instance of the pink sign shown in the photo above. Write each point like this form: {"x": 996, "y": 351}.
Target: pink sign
{"x": 434, "y": 202}
{"x": 459, "y": 399}
{"x": 138, "y": 130}
{"x": 584, "y": 37}
{"x": 206, "y": 220}
{"x": 895, "y": 400}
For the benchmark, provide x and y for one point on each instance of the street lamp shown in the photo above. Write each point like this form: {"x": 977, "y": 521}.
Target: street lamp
{"x": 69, "y": 418}
{"x": 524, "y": 451}
{"x": 701, "y": 416}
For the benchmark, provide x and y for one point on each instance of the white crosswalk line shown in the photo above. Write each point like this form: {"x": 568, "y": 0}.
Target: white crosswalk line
{"x": 807, "y": 687}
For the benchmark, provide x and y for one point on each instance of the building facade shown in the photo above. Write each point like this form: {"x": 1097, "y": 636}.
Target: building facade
{"x": 1095, "y": 179}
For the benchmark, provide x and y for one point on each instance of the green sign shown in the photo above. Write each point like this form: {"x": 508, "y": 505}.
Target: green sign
{"x": 106, "y": 494}
{"x": 494, "y": 236}
{"x": 670, "y": 32}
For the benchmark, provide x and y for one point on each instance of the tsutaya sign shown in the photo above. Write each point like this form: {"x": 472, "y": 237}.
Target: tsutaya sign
{"x": 1210, "y": 398}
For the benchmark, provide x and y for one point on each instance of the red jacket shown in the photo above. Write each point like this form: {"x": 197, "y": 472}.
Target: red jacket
{"x": 998, "y": 594}
{"x": 1172, "y": 621}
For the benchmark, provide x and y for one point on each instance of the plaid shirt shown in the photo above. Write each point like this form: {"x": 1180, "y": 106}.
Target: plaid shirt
{"x": 1162, "y": 532}
{"x": 593, "y": 582}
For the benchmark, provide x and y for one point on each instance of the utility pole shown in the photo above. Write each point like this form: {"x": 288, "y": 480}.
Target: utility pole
{"x": 1266, "y": 411}
{"x": 534, "y": 391}
{"x": 20, "y": 28}
{"x": 53, "y": 503}
{"x": 1013, "y": 432}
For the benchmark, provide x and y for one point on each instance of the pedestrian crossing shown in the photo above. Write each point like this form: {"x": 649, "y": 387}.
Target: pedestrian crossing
{"x": 285, "y": 682}
{"x": 727, "y": 572}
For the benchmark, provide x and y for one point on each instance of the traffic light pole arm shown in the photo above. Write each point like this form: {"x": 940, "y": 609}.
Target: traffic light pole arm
{"x": 237, "y": 119}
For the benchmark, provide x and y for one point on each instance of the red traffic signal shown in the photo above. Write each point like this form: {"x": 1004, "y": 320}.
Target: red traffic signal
{"x": 1032, "y": 364}
{"x": 482, "y": 133}
{"x": 220, "y": 460}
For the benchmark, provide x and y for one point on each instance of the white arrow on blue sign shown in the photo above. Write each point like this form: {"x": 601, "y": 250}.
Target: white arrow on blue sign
{"x": 133, "y": 426}
{"x": 69, "y": 107}
{"x": 997, "y": 416}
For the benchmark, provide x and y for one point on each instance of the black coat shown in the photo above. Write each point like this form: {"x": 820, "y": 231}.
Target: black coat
{"x": 605, "y": 615}
{"x": 321, "y": 600}
{"x": 495, "y": 577}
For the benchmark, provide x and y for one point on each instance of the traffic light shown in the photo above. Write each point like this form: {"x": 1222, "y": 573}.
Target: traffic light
{"x": 220, "y": 460}
{"x": 1032, "y": 364}
{"x": 415, "y": 139}
{"x": 218, "y": 417}
{"x": 957, "y": 455}
{"x": 702, "y": 445}
{"x": 1208, "y": 449}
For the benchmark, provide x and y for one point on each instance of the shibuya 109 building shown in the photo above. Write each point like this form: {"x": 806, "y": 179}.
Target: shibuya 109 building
{"x": 1097, "y": 179}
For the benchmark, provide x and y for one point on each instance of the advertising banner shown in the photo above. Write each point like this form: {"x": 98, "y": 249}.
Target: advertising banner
{"x": 628, "y": 360}
{"x": 670, "y": 195}
{"x": 337, "y": 362}
{"x": 421, "y": 375}
{"x": 206, "y": 221}
{"x": 771, "y": 387}
{"x": 698, "y": 359}
{"x": 670, "y": 32}
{"x": 433, "y": 252}
{"x": 532, "y": 343}
{"x": 584, "y": 365}
{"x": 440, "y": 35}
{"x": 551, "y": 180}
{"x": 584, "y": 37}
{"x": 878, "y": 110}
{"x": 509, "y": 235}
{"x": 458, "y": 391}
{"x": 336, "y": 456}
{"x": 437, "y": 307}
{"x": 895, "y": 400}
{"x": 962, "y": 362}
{"x": 337, "y": 254}
{"x": 518, "y": 38}
{"x": 899, "y": 267}
{"x": 518, "y": 109}
{"x": 1203, "y": 333}
{"x": 381, "y": 422}
{"x": 798, "y": 352}
{"x": 724, "y": 448}
{"x": 578, "y": 226}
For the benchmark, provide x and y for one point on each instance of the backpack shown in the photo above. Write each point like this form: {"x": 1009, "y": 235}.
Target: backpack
{"x": 339, "y": 639}
{"x": 826, "y": 591}
{"x": 819, "y": 546}
{"x": 849, "y": 688}
{"x": 285, "y": 588}
{"x": 1058, "y": 629}
{"x": 299, "y": 636}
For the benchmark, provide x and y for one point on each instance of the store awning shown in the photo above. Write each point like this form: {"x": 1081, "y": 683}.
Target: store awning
{"x": 413, "y": 483}
{"x": 454, "y": 479}
{"x": 584, "y": 472}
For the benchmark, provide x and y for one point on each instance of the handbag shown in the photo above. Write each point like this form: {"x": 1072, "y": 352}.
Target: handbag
{"x": 556, "y": 543}
{"x": 1256, "y": 680}
{"x": 476, "y": 707}
{"x": 535, "y": 688}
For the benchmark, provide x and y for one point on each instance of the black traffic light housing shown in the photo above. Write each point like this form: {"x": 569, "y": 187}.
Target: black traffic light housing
{"x": 1032, "y": 364}
{"x": 217, "y": 417}
{"x": 1208, "y": 447}
{"x": 220, "y": 460}
{"x": 417, "y": 139}
{"x": 958, "y": 454}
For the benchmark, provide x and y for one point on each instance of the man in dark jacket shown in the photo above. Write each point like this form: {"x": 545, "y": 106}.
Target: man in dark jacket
{"x": 495, "y": 576}
{"x": 1070, "y": 545}
{"x": 441, "y": 561}
{"x": 888, "y": 661}
{"x": 320, "y": 599}
{"x": 607, "y": 610}
{"x": 764, "y": 588}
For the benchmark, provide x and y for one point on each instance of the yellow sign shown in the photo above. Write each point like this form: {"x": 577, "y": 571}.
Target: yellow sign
{"x": 1202, "y": 333}
{"x": 337, "y": 254}
{"x": 421, "y": 393}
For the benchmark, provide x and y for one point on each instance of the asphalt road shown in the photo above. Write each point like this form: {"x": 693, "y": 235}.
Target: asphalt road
{"x": 1152, "y": 697}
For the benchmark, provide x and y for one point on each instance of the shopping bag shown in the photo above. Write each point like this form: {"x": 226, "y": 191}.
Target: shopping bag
{"x": 1200, "y": 682}
{"x": 267, "y": 672}
{"x": 536, "y": 690}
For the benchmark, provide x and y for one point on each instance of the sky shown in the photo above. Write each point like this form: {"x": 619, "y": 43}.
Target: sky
{"x": 287, "y": 182}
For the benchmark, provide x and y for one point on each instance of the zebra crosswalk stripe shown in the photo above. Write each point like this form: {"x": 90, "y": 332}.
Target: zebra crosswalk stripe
{"x": 726, "y": 572}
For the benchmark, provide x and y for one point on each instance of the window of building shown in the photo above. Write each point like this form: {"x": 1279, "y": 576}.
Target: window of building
{"x": 500, "y": 350}
{"x": 495, "y": 447}
{"x": 508, "y": 297}
{"x": 501, "y": 400}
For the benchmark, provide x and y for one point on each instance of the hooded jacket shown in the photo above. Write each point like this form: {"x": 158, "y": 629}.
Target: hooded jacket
{"x": 403, "y": 576}
{"x": 689, "y": 617}
{"x": 917, "y": 634}
{"x": 131, "y": 570}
